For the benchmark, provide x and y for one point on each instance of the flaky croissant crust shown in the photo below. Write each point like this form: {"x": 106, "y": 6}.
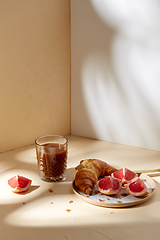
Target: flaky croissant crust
{"x": 88, "y": 172}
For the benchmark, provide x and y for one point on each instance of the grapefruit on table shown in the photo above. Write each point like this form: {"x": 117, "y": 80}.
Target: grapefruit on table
{"x": 109, "y": 185}
{"x": 19, "y": 183}
{"x": 136, "y": 187}
{"x": 124, "y": 174}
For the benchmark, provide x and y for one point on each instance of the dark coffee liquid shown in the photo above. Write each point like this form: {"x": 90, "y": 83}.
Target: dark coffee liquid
{"x": 52, "y": 160}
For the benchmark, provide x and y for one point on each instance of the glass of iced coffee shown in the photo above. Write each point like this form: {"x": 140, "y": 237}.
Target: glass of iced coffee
{"x": 52, "y": 152}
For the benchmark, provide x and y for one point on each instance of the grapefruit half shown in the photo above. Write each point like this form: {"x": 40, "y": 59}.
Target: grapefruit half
{"x": 19, "y": 183}
{"x": 136, "y": 187}
{"x": 109, "y": 185}
{"x": 124, "y": 174}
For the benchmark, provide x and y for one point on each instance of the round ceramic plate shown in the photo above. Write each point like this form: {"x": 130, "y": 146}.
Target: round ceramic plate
{"x": 122, "y": 199}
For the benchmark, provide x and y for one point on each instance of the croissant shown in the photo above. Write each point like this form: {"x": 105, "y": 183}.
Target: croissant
{"x": 88, "y": 172}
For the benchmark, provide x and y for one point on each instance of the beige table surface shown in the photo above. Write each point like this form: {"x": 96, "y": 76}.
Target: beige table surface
{"x": 41, "y": 214}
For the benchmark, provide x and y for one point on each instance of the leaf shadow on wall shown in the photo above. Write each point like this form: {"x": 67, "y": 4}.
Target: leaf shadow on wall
{"x": 119, "y": 73}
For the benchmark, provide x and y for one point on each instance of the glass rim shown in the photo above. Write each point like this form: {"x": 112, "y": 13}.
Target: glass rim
{"x": 51, "y": 136}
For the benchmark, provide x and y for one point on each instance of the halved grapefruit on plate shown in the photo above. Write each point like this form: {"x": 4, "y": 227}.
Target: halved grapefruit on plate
{"x": 19, "y": 184}
{"x": 109, "y": 185}
{"x": 124, "y": 174}
{"x": 137, "y": 187}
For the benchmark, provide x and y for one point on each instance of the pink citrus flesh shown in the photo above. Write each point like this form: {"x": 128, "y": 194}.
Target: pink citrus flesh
{"x": 109, "y": 185}
{"x": 19, "y": 184}
{"x": 136, "y": 187}
{"x": 124, "y": 174}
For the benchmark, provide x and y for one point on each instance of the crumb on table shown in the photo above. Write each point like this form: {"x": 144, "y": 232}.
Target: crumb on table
{"x": 68, "y": 210}
{"x": 50, "y": 190}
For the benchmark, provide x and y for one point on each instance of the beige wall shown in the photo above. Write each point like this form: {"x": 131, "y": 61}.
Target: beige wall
{"x": 116, "y": 76}
{"x": 34, "y": 70}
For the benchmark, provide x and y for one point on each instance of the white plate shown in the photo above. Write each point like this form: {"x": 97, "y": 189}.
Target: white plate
{"x": 122, "y": 199}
